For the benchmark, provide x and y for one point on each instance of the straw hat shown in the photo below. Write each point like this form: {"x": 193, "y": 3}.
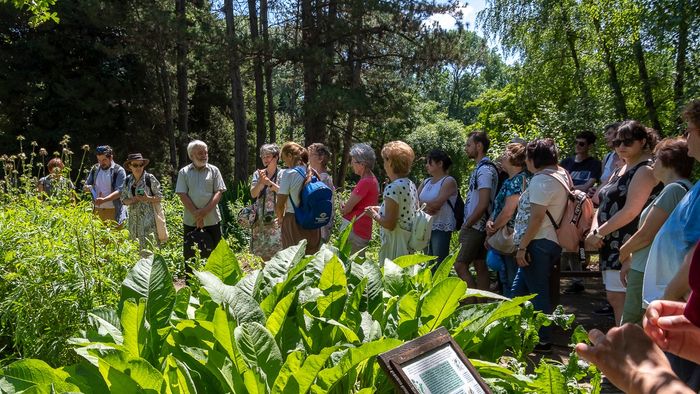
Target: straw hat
{"x": 135, "y": 157}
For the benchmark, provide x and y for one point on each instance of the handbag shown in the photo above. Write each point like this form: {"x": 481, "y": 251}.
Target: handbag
{"x": 161, "y": 228}
{"x": 502, "y": 240}
{"x": 247, "y": 216}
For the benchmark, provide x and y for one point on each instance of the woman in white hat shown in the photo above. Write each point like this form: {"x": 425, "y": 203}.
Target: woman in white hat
{"x": 141, "y": 191}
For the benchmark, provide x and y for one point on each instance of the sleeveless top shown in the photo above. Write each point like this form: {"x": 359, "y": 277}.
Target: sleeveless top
{"x": 612, "y": 199}
{"x": 444, "y": 219}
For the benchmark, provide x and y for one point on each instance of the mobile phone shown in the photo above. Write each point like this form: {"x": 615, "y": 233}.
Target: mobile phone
{"x": 140, "y": 192}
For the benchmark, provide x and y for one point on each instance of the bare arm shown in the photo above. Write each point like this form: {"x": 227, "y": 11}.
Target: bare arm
{"x": 350, "y": 204}
{"x": 640, "y": 188}
{"x": 584, "y": 188}
{"x": 391, "y": 215}
{"x": 645, "y": 234}
{"x": 448, "y": 189}
{"x": 537, "y": 214}
{"x": 507, "y": 212}
{"x": 481, "y": 206}
{"x": 678, "y": 287}
{"x": 187, "y": 202}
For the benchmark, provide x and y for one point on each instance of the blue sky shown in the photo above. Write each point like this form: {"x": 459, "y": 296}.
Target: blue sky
{"x": 469, "y": 12}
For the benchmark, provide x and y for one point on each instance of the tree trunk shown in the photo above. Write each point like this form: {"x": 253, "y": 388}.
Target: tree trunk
{"x": 167, "y": 102}
{"x": 260, "y": 131}
{"x": 240, "y": 172}
{"x": 681, "y": 49}
{"x": 314, "y": 130}
{"x": 571, "y": 42}
{"x": 182, "y": 90}
{"x": 646, "y": 85}
{"x": 268, "y": 71}
{"x": 613, "y": 80}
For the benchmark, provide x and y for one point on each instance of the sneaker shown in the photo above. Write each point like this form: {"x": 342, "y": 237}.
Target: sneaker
{"x": 543, "y": 348}
{"x": 607, "y": 310}
{"x": 575, "y": 288}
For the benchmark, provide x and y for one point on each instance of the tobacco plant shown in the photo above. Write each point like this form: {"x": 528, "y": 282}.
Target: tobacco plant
{"x": 300, "y": 324}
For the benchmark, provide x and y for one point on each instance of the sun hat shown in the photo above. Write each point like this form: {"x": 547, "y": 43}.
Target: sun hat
{"x": 135, "y": 157}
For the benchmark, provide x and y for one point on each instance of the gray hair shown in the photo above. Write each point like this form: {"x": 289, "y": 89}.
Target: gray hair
{"x": 270, "y": 149}
{"x": 195, "y": 144}
{"x": 363, "y": 154}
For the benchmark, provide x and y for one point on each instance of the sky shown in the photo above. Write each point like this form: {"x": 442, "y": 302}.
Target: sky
{"x": 469, "y": 12}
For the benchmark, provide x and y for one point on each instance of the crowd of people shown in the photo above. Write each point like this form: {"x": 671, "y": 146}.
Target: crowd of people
{"x": 644, "y": 229}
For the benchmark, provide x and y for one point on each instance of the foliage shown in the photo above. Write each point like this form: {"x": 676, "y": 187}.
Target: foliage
{"x": 301, "y": 323}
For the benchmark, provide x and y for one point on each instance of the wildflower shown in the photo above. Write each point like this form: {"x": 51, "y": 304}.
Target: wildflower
{"x": 4, "y": 158}
{"x": 86, "y": 148}
{"x": 22, "y": 156}
{"x": 34, "y": 143}
{"x": 13, "y": 158}
{"x": 20, "y": 138}
{"x": 39, "y": 165}
{"x": 43, "y": 152}
{"x": 67, "y": 151}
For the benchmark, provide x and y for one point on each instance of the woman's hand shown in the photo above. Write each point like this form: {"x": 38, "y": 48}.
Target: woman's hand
{"x": 373, "y": 212}
{"x": 625, "y": 253}
{"x": 624, "y": 271}
{"x": 490, "y": 230}
{"x": 593, "y": 242}
{"x": 520, "y": 258}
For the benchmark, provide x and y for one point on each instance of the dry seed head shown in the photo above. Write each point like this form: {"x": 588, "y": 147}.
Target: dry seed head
{"x": 43, "y": 152}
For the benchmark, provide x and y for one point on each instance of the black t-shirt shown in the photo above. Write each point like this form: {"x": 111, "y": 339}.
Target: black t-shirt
{"x": 584, "y": 170}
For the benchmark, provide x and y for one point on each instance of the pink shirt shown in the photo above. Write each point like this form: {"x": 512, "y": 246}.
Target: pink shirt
{"x": 368, "y": 191}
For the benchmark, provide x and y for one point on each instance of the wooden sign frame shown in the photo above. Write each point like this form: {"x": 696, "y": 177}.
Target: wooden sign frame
{"x": 394, "y": 361}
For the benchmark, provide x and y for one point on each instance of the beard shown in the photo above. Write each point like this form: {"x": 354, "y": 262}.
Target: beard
{"x": 106, "y": 167}
{"x": 200, "y": 163}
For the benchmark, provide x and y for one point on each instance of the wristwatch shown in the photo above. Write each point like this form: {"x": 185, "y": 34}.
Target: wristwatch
{"x": 598, "y": 235}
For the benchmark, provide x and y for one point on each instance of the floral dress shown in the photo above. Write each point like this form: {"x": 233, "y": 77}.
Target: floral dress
{"x": 266, "y": 238}
{"x": 612, "y": 199}
{"x": 142, "y": 217}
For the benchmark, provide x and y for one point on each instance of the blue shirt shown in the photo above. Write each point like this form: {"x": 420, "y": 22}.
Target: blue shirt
{"x": 677, "y": 236}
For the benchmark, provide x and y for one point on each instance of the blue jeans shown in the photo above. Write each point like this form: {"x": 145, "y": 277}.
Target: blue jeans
{"x": 534, "y": 279}
{"x": 505, "y": 266}
{"x": 439, "y": 246}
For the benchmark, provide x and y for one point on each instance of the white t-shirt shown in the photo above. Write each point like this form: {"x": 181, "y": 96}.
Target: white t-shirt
{"x": 404, "y": 193}
{"x": 103, "y": 185}
{"x": 484, "y": 177}
{"x": 546, "y": 191}
{"x": 290, "y": 184}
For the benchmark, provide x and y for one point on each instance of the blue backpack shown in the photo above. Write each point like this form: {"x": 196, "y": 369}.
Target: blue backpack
{"x": 316, "y": 205}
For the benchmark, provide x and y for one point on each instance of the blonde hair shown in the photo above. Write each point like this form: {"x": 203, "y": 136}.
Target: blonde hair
{"x": 299, "y": 155}
{"x": 400, "y": 156}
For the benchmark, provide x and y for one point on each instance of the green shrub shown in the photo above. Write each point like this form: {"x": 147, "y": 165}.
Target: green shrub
{"x": 300, "y": 324}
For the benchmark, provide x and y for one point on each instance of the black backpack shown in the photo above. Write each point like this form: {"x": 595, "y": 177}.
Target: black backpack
{"x": 458, "y": 209}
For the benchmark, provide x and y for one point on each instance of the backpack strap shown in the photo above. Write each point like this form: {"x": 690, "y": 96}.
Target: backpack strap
{"x": 567, "y": 188}
{"x": 301, "y": 172}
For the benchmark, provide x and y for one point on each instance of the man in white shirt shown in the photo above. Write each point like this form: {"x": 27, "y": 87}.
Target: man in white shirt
{"x": 483, "y": 183}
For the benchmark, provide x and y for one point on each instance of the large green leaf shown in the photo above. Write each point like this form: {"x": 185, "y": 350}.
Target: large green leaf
{"x": 278, "y": 268}
{"x": 284, "y": 283}
{"x": 87, "y": 377}
{"x": 250, "y": 284}
{"x": 443, "y": 270}
{"x": 134, "y": 326}
{"x": 33, "y": 374}
{"x": 372, "y": 296}
{"x": 243, "y": 307}
{"x": 350, "y": 336}
{"x": 408, "y": 260}
{"x": 333, "y": 277}
{"x": 182, "y": 302}
{"x": 104, "y": 330}
{"x": 121, "y": 369}
{"x": 440, "y": 302}
{"x": 302, "y": 380}
{"x": 217, "y": 366}
{"x": 290, "y": 368}
{"x": 151, "y": 279}
{"x": 396, "y": 280}
{"x": 258, "y": 348}
{"x": 549, "y": 380}
{"x": 351, "y": 315}
{"x": 331, "y": 306}
{"x": 330, "y": 376}
{"x": 279, "y": 315}
{"x": 223, "y": 263}
{"x": 408, "y": 315}
{"x": 178, "y": 377}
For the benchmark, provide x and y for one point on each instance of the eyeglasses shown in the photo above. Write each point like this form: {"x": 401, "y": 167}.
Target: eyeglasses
{"x": 626, "y": 142}
{"x": 581, "y": 143}
{"x": 136, "y": 165}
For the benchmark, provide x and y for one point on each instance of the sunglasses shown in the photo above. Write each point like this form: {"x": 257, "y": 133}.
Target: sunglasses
{"x": 136, "y": 165}
{"x": 581, "y": 143}
{"x": 626, "y": 142}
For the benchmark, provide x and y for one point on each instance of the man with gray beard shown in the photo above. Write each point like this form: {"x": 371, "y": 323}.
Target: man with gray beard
{"x": 200, "y": 187}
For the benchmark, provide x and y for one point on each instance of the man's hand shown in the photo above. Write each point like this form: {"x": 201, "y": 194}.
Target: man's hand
{"x": 199, "y": 223}
{"x": 670, "y": 330}
{"x": 629, "y": 359}
{"x": 490, "y": 230}
{"x": 99, "y": 201}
